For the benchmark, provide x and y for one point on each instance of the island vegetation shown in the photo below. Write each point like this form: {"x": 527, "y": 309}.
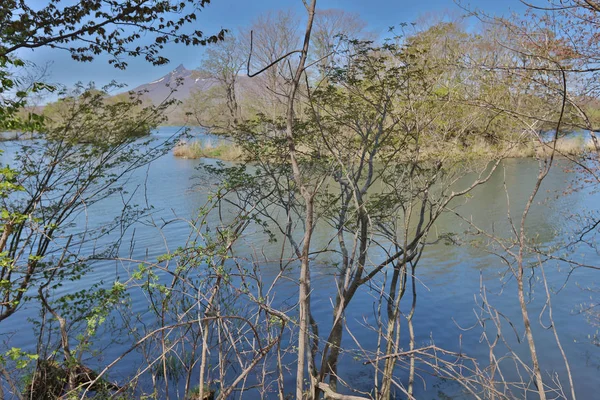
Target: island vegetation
{"x": 350, "y": 150}
{"x": 197, "y": 149}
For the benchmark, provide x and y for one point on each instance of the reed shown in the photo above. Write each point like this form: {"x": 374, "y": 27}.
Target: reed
{"x": 207, "y": 149}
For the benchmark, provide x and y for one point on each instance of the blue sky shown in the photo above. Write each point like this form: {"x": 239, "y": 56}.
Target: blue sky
{"x": 232, "y": 14}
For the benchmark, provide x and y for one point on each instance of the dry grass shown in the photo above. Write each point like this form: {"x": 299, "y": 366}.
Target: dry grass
{"x": 188, "y": 150}
{"x": 589, "y": 146}
{"x": 571, "y": 146}
{"x": 207, "y": 149}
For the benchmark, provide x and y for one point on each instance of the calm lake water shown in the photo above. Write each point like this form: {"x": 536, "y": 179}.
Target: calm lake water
{"x": 449, "y": 275}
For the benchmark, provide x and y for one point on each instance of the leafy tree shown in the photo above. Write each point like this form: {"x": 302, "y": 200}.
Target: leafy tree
{"x": 374, "y": 157}
{"x": 94, "y": 27}
{"x": 75, "y": 160}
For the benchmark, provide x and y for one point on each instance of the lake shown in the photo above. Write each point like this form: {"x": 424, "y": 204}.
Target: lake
{"x": 449, "y": 275}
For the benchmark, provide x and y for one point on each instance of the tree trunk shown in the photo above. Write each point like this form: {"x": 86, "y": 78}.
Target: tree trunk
{"x": 529, "y": 334}
{"x": 304, "y": 281}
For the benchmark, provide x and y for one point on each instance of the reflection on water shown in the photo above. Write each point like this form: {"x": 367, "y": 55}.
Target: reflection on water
{"x": 449, "y": 274}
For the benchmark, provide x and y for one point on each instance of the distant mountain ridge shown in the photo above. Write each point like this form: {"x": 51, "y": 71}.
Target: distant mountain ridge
{"x": 191, "y": 81}
{"x": 158, "y": 90}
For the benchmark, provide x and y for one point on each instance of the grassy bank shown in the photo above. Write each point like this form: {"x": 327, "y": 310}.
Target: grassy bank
{"x": 207, "y": 149}
{"x": 568, "y": 146}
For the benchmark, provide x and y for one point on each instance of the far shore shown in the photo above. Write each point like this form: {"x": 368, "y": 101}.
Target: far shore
{"x": 227, "y": 151}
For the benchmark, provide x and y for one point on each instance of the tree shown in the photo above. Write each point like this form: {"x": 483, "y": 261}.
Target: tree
{"x": 86, "y": 30}
{"x": 374, "y": 156}
{"x": 75, "y": 160}
{"x": 551, "y": 60}
{"x": 330, "y": 26}
{"x": 91, "y": 28}
{"x": 270, "y": 38}
{"x": 82, "y": 30}
{"x": 221, "y": 64}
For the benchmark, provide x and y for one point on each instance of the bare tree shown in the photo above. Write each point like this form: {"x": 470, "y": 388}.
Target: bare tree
{"x": 222, "y": 64}
{"x": 273, "y": 36}
{"x": 331, "y": 25}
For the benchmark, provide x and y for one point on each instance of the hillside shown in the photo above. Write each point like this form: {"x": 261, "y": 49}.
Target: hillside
{"x": 158, "y": 90}
{"x": 189, "y": 81}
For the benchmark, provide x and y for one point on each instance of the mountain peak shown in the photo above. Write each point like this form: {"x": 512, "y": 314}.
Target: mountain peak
{"x": 181, "y": 79}
{"x": 180, "y": 69}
